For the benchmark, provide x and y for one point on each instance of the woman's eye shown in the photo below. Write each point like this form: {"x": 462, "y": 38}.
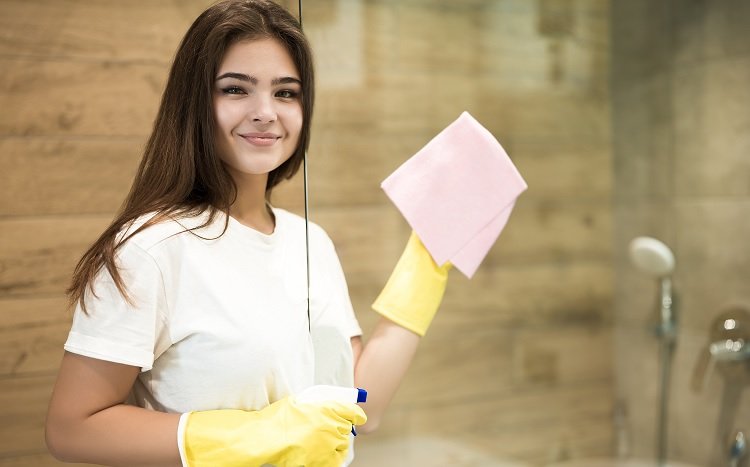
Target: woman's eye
{"x": 287, "y": 94}
{"x": 232, "y": 90}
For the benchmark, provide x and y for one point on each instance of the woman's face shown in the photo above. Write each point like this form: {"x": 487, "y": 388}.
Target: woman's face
{"x": 258, "y": 107}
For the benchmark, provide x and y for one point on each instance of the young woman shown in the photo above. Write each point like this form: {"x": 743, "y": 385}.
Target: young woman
{"x": 191, "y": 336}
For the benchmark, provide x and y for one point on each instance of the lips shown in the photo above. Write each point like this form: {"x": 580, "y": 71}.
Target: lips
{"x": 260, "y": 139}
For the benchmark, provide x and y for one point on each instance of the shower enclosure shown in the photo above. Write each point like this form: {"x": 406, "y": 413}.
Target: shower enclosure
{"x": 627, "y": 118}
{"x": 680, "y": 114}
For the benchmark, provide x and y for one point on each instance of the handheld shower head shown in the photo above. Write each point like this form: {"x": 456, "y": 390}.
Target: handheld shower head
{"x": 652, "y": 256}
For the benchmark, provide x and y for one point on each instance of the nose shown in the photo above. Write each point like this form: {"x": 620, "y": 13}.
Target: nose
{"x": 263, "y": 110}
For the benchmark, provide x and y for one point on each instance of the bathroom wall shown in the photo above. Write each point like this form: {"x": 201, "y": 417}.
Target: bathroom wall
{"x": 681, "y": 113}
{"x": 518, "y": 364}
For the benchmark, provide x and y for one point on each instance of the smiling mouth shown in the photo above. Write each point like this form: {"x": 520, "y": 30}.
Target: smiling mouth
{"x": 261, "y": 139}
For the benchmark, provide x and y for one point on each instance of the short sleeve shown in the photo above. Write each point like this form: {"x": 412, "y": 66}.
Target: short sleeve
{"x": 120, "y": 330}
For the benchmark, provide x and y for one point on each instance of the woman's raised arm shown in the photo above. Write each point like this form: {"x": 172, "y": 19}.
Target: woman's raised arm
{"x": 408, "y": 302}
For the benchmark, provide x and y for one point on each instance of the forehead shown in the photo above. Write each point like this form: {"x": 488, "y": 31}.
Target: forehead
{"x": 258, "y": 56}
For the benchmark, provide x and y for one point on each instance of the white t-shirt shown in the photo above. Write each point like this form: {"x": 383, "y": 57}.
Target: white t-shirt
{"x": 220, "y": 321}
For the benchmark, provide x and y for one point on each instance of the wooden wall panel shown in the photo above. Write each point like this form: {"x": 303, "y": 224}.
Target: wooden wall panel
{"x": 32, "y": 349}
{"x": 24, "y": 401}
{"x": 508, "y": 357}
{"x": 482, "y": 356}
{"x": 347, "y": 169}
{"x": 43, "y": 176}
{"x": 503, "y": 363}
{"x": 497, "y": 415}
{"x": 531, "y": 295}
{"x": 32, "y": 311}
{"x": 545, "y": 229}
{"x": 565, "y": 355}
{"x": 136, "y": 30}
{"x": 32, "y": 334}
{"x": 572, "y": 421}
{"x": 515, "y": 296}
{"x": 369, "y": 239}
{"x": 570, "y": 170}
{"x": 38, "y": 254}
{"x": 57, "y": 98}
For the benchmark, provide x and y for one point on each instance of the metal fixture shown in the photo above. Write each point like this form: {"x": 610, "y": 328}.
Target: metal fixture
{"x": 728, "y": 348}
{"x": 737, "y": 449}
{"x": 653, "y": 257}
{"x": 728, "y": 351}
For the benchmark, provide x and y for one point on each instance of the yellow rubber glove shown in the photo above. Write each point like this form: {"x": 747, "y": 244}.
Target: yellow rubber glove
{"x": 287, "y": 433}
{"x": 413, "y": 293}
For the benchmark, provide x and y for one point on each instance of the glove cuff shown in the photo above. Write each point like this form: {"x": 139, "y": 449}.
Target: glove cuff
{"x": 181, "y": 438}
{"x": 413, "y": 292}
{"x": 403, "y": 319}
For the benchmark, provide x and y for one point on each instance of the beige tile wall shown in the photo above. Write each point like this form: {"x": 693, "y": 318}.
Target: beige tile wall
{"x": 682, "y": 173}
{"x": 517, "y": 367}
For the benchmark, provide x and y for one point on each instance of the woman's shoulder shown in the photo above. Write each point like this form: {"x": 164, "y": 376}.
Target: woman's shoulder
{"x": 152, "y": 229}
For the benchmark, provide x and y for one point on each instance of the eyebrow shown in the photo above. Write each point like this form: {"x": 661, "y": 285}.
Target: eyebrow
{"x": 253, "y": 80}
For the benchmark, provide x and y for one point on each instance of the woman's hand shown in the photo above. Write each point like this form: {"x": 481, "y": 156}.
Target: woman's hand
{"x": 287, "y": 433}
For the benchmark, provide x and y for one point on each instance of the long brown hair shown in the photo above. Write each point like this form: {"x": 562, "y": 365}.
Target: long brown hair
{"x": 180, "y": 173}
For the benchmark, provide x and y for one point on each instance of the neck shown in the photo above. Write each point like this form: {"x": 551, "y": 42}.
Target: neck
{"x": 250, "y": 207}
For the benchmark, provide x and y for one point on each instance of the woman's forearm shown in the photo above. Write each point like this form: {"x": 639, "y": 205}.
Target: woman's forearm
{"x": 381, "y": 367}
{"x": 407, "y": 303}
{"x": 88, "y": 421}
{"x": 121, "y": 435}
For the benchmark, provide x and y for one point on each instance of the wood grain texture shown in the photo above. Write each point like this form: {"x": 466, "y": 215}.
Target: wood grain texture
{"x": 38, "y": 254}
{"x": 69, "y": 98}
{"x": 508, "y": 359}
{"x": 32, "y": 334}
{"x": 136, "y": 30}
{"x": 65, "y": 176}
{"x": 24, "y": 400}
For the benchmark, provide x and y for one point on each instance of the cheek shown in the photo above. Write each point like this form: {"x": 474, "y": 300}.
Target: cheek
{"x": 226, "y": 117}
{"x": 294, "y": 121}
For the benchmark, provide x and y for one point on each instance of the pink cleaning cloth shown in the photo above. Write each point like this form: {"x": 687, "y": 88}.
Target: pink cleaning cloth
{"x": 457, "y": 193}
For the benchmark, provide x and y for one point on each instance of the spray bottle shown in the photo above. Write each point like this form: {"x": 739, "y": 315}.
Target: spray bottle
{"x": 322, "y": 393}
